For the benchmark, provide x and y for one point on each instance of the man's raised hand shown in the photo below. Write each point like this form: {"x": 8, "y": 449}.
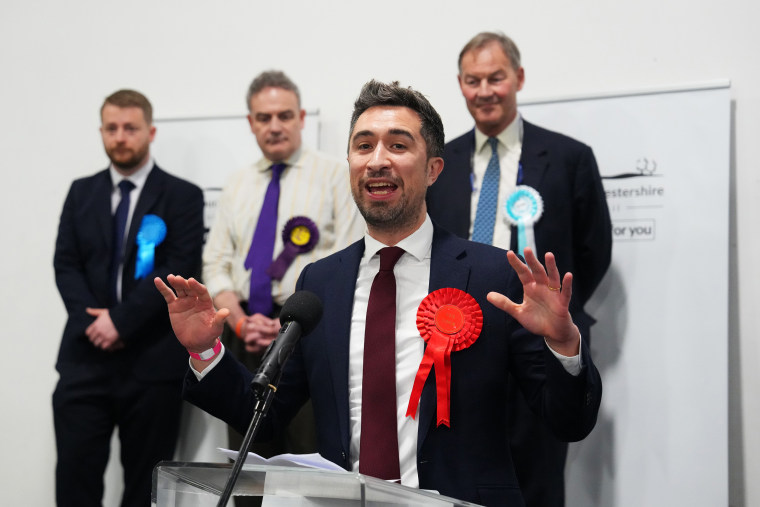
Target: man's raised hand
{"x": 196, "y": 323}
{"x": 544, "y": 310}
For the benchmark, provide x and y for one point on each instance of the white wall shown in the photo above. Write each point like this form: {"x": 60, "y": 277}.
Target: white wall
{"x": 59, "y": 60}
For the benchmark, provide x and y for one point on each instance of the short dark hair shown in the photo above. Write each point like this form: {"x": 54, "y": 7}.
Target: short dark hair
{"x": 375, "y": 93}
{"x": 271, "y": 79}
{"x": 507, "y": 45}
{"x": 130, "y": 98}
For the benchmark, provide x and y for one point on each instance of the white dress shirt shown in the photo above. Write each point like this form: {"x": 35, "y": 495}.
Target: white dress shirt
{"x": 411, "y": 268}
{"x": 313, "y": 185}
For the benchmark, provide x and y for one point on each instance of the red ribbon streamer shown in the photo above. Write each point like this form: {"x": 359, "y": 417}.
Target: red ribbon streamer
{"x": 448, "y": 320}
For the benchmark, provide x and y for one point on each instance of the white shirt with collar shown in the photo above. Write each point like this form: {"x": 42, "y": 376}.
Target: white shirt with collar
{"x": 313, "y": 185}
{"x": 509, "y": 148}
{"x": 138, "y": 179}
{"x": 413, "y": 266}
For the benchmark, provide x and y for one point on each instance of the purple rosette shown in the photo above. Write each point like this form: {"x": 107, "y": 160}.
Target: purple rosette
{"x": 300, "y": 235}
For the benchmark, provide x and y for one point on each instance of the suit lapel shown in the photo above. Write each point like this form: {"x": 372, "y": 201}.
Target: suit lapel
{"x": 154, "y": 186}
{"x": 463, "y": 154}
{"x": 103, "y": 213}
{"x": 341, "y": 289}
{"x": 448, "y": 268}
{"x": 534, "y": 157}
{"x": 534, "y": 160}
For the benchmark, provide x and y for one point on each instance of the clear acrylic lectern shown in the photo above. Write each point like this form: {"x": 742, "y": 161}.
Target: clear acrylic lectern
{"x": 201, "y": 484}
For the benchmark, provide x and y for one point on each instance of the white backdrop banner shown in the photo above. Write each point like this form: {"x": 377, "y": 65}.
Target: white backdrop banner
{"x": 661, "y": 341}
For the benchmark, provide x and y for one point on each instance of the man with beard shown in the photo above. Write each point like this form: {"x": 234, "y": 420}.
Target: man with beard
{"x": 378, "y": 411}
{"x": 292, "y": 199}
{"x": 119, "y": 362}
{"x": 506, "y": 162}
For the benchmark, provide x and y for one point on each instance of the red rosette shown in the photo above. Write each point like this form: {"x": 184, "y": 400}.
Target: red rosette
{"x": 448, "y": 320}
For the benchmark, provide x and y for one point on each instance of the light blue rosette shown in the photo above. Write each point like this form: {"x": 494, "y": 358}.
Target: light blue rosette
{"x": 152, "y": 232}
{"x": 523, "y": 208}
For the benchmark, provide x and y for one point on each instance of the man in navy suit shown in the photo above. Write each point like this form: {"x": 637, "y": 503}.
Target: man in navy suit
{"x": 454, "y": 443}
{"x": 119, "y": 362}
{"x": 555, "y": 171}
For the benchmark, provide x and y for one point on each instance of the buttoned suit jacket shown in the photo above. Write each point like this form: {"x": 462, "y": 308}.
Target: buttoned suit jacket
{"x": 82, "y": 269}
{"x": 470, "y": 460}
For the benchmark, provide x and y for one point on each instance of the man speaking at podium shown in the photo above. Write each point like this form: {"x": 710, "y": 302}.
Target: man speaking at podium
{"x": 409, "y": 296}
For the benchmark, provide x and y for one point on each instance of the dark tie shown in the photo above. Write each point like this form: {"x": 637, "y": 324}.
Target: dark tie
{"x": 378, "y": 446}
{"x": 262, "y": 247}
{"x": 485, "y": 217}
{"x": 119, "y": 228}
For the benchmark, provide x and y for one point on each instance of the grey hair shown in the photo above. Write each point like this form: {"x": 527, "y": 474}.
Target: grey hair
{"x": 507, "y": 45}
{"x": 271, "y": 79}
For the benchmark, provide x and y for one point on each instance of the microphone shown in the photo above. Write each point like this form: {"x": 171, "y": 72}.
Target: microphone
{"x": 300, "y": 314}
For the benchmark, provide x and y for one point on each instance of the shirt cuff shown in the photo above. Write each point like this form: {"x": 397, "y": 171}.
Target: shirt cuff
{"x": 200, "y": 374}
{"x": 571, "y": 364}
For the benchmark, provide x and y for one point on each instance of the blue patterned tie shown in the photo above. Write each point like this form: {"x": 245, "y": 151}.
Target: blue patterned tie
{"x": 119, "y": 228}
{"x": 262, "y": 247}
{"x": 485, "y": 217}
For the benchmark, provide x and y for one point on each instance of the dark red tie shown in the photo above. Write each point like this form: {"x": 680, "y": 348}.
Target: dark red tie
{"x": 378, "y": 446}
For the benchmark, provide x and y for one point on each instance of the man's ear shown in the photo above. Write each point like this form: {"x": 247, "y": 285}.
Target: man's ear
{"x": 520, "y": 78}
{"x": 435, "y": 166}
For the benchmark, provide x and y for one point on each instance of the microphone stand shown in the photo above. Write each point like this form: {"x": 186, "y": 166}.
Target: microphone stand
{"x": 264, "y": 396}
{"x": 266, "y": 379}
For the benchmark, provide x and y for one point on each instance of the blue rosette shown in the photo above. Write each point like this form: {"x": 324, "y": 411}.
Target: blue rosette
{"x": 151, "y": 233}
{"x": 299, "y": 235}
{"x": 523, "y": 208}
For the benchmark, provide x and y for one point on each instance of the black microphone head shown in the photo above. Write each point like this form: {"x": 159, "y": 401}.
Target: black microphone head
{"x": 303, "y": 307}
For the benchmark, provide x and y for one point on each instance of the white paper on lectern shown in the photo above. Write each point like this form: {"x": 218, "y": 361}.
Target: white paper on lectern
{"x": 314, "y": 460}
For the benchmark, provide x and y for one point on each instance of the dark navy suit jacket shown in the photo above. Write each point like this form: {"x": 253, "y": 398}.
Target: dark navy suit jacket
{"x": 82, "y": 272}
{"x": 470, "y": 460}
